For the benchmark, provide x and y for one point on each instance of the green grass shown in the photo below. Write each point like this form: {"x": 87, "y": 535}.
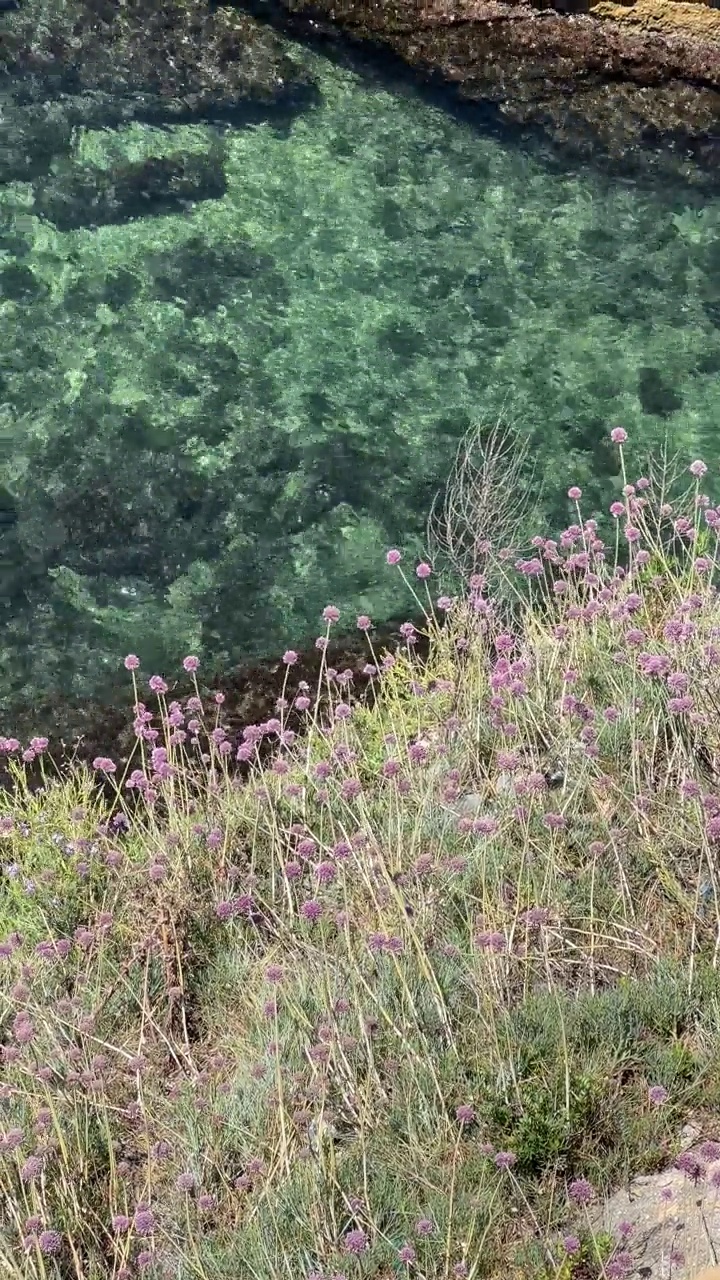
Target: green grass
{"x": 287, "y": 986}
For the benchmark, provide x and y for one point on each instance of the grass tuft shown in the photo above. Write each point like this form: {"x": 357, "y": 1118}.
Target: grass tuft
{"x": 422, "y": 988}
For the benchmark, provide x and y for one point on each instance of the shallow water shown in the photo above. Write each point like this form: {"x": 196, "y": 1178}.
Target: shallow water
{"x": 217, "y": 415}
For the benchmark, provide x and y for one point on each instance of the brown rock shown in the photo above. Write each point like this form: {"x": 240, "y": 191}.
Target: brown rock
{"x": 599, "y": 82}
{"x": 178, "y": 50}
{"x": 671, "y": 17}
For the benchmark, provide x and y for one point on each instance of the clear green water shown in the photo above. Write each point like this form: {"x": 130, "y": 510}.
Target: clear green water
{"x": 215, "y": 422}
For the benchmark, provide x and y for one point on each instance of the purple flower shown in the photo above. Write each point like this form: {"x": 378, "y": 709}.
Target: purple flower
{"x": 691, "y": 1166}
{"x": 571, "y": 1245}
{"x": 581, "y": 1191}
{"x": 491, "y": 941}
{"x": 618, "y": 435}
{"x": 530, "y": 568}
{"x": 679, "y": 706}
{"x": 207, "y": 1202}
{"x": 393, "y": 557}
{"x": 465, "y": 1113}
{"x": 289, "y": 657}
{"x": 407, "y": 1254}
{"x": 157, "y": 684}
{"x": 554, "y": 821}
{"x": 191, "y": 663}
{"x": 697, "y": 469}
{"x": 423, "y": 570}
{"x": 120, "y": 1223}
{"x": 424, "y": 1227}
{"x": 104, "y": 764}
{"x": 574, "y": 493}
{"x": 311, "y": 910}
{"x": 185, "y": 1182}
{"x": 31, "y": 1169}
{"x": 535, "y": 917}
{"x": 132, "y": 662}
{"x": 144, "y": 1220}
{"x": 363, "y": 623}
{"x": 330, "y": 613}
{"x": 620, "y": 1266}
{"x": 505, "y": 1159}
{"x": 355, "y": 1242}
{"x": 657, "y": 1095}
{"x": 49, "y": 1242}
{"x": 11, "y": 1140}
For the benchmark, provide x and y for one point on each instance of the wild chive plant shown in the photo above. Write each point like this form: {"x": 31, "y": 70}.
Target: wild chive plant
{"x": 411, "y": 995}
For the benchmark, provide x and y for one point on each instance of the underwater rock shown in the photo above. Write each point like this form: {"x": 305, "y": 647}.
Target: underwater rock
{"x": 84, "y": 197}
{"x": 159, "y": 61}
{"x": 591, "y": 83}
{"x": 656, "y": 396}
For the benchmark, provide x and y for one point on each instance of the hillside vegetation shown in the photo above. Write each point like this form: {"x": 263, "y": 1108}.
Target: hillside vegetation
{"x": 407, "y": 993}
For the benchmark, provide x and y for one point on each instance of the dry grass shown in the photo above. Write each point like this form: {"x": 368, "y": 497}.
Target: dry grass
{"x": 385, "y": 1007}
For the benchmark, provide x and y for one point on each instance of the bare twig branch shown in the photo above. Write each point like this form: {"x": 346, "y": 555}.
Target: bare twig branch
{"x": 486, "y": 501}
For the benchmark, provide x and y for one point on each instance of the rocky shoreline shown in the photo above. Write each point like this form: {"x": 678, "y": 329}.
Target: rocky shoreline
{"x": 597, "y": 85}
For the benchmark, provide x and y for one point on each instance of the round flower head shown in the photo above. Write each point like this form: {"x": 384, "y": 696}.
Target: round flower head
{"x": 49, "y": 1242}
{"x": 698, "y": 469}
{"x": 144, "y": 1221}
{"x": 581, "y": 1191}
{"x": 618, "y": 435}
{"x": 505, "y": 1159}
{"x": 355, "y": 1242}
